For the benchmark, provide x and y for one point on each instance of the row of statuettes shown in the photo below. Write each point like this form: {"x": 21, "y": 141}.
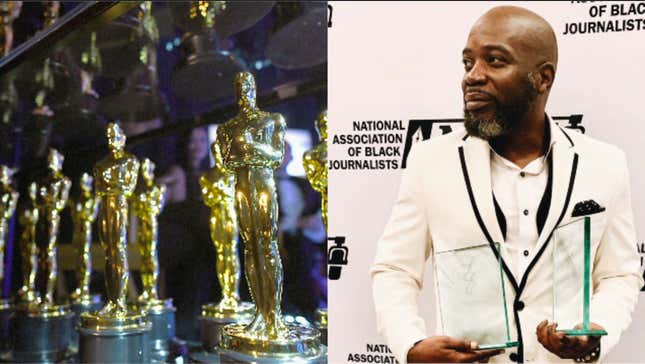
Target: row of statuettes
{"x": 240, "y": 191}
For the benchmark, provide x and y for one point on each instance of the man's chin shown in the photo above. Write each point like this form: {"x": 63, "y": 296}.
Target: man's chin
{"x": 484, "y": 128}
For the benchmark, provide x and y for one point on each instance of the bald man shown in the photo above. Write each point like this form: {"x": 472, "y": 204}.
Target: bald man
{"x": 506, "y": 184}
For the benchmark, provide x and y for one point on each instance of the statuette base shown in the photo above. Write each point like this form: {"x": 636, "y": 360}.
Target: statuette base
{"x": 123, "y": 339}
{"x": 301, "y": 344}
{"x": 214, "y": 319}
{"x": 161, "y": 315}
{"x": 40, "y": 333}
{"x": 79, "y": 306}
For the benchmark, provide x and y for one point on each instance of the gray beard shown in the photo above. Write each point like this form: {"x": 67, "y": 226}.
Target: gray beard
{"x": 486, "y": 129}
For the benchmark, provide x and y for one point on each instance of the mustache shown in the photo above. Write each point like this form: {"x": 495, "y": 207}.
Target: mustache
{"x": 479, "y": 91}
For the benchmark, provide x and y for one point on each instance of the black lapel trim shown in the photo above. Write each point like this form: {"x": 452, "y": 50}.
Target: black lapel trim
{"x": 501, "y": 219}
{"x": 465, "y": 137}
{"x": 545, "y": 203}
{"x": 464, "y": 170}
{"x": 567, "y": 135}
{"x": 509, "y": 275}
{"x": 572, "y": 179}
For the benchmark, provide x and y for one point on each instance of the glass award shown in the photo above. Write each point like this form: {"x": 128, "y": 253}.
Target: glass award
{"x": 571, "y": 256}
{"x": 472, "y": 296}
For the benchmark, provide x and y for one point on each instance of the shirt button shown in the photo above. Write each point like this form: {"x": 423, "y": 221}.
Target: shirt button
{"x": 526, "y": 253}
{"x": 526, "y": 212}
{"x": 522, "y": 174}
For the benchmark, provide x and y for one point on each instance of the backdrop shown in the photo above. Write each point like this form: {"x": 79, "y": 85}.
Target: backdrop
{"x": 394, "y": 79}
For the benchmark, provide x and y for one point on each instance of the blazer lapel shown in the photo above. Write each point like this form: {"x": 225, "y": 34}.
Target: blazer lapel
{"x": 477, "y": 160}
{"x": 474, "y": 156}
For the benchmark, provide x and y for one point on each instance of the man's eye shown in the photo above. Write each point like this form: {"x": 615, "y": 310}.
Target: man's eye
{"x": 467, "y": 64}
{"x": 495, "y": 60}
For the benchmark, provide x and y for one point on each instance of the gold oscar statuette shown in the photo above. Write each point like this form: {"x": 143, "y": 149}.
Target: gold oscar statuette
{"x": 28, "y": 249}
{"x": 53, "y": 191}
{"x": 115, "y": 178}
{"x": 218, "y": 190}
{"x": 252, "y": 146}
{"x": 147, "y": 204}
{"x": 315, "y": 163}
{"x": 8, "y": 200}
{"x": 84, "y": 210}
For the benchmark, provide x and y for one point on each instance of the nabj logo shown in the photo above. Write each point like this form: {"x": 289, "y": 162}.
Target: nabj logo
{"x": 336, "y": 257}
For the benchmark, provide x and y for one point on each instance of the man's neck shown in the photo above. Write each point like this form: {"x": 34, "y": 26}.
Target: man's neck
{"x": 527, "y": 142}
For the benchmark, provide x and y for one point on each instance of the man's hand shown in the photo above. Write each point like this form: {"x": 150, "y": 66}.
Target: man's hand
{"x": 566, "y": 347}
{"x": 444, "y": 349}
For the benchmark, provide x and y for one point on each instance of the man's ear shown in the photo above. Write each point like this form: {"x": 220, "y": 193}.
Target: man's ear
{"x": 546, "y": 73}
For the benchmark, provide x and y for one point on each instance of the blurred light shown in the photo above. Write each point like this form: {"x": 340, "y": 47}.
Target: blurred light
{"x": 176, "y": 41}
{"x": 300, "y": 141}
{"x": 301, "y": 320}
{"x": 288, "y": 318}
{"x": 169, "y": 46}
{"x": 258, "y": 65}
{"x": 212, "y": 136}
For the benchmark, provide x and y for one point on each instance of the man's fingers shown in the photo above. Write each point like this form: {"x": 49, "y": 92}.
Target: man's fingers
{"x": 459, "y": 344}
{"x": 553, "y": 338}
{"x": 541, "y": 332}
{"x": 479, "y": 355}
{"x": 583, "y": 340}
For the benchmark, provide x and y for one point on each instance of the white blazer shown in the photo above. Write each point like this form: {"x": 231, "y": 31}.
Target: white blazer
{"x": 445, "y": 202}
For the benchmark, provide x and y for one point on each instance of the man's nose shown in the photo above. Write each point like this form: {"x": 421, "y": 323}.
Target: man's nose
{"x": 476, "y": 75}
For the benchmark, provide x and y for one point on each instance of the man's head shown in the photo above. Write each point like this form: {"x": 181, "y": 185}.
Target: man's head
{"x": 116, "y": 138}
{"x": 510, "y": 61}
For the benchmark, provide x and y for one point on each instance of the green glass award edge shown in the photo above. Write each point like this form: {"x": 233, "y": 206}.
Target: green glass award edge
{"x": 581, "y": 332}
{"x": 510, "y": 344}
{"x": 586, "y": 294}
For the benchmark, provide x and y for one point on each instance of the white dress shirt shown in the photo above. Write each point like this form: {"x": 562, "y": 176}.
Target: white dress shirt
{"x": 518, "y": 192}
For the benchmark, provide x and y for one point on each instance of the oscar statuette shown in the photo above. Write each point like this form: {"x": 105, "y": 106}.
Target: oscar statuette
{"x": 83, "y": 212}
{"x": 252, "y": 146}
{"x": 8, "y": 201}
{"x": 28, "y": 249}
{"x": 218, "y": 190}
{"x": 315, "y": 163}
{"x": 147, "y": 204}
{"x": 114, "y": 334}
{"x": 41, "y": 328}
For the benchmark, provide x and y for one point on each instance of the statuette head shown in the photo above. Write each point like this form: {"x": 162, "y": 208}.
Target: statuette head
{"x": 5, "y": 174}
{"x": 86, "y": 182}
{"x": 245, "y": 88}
{"x": 33, "y": 191}
{"x": 55, "y": 160}
{"x": 116, "y": 137}
{"x": 148, "y": 170}
{"x": 217, "y": 154}
{"x": 321, "y": 125}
